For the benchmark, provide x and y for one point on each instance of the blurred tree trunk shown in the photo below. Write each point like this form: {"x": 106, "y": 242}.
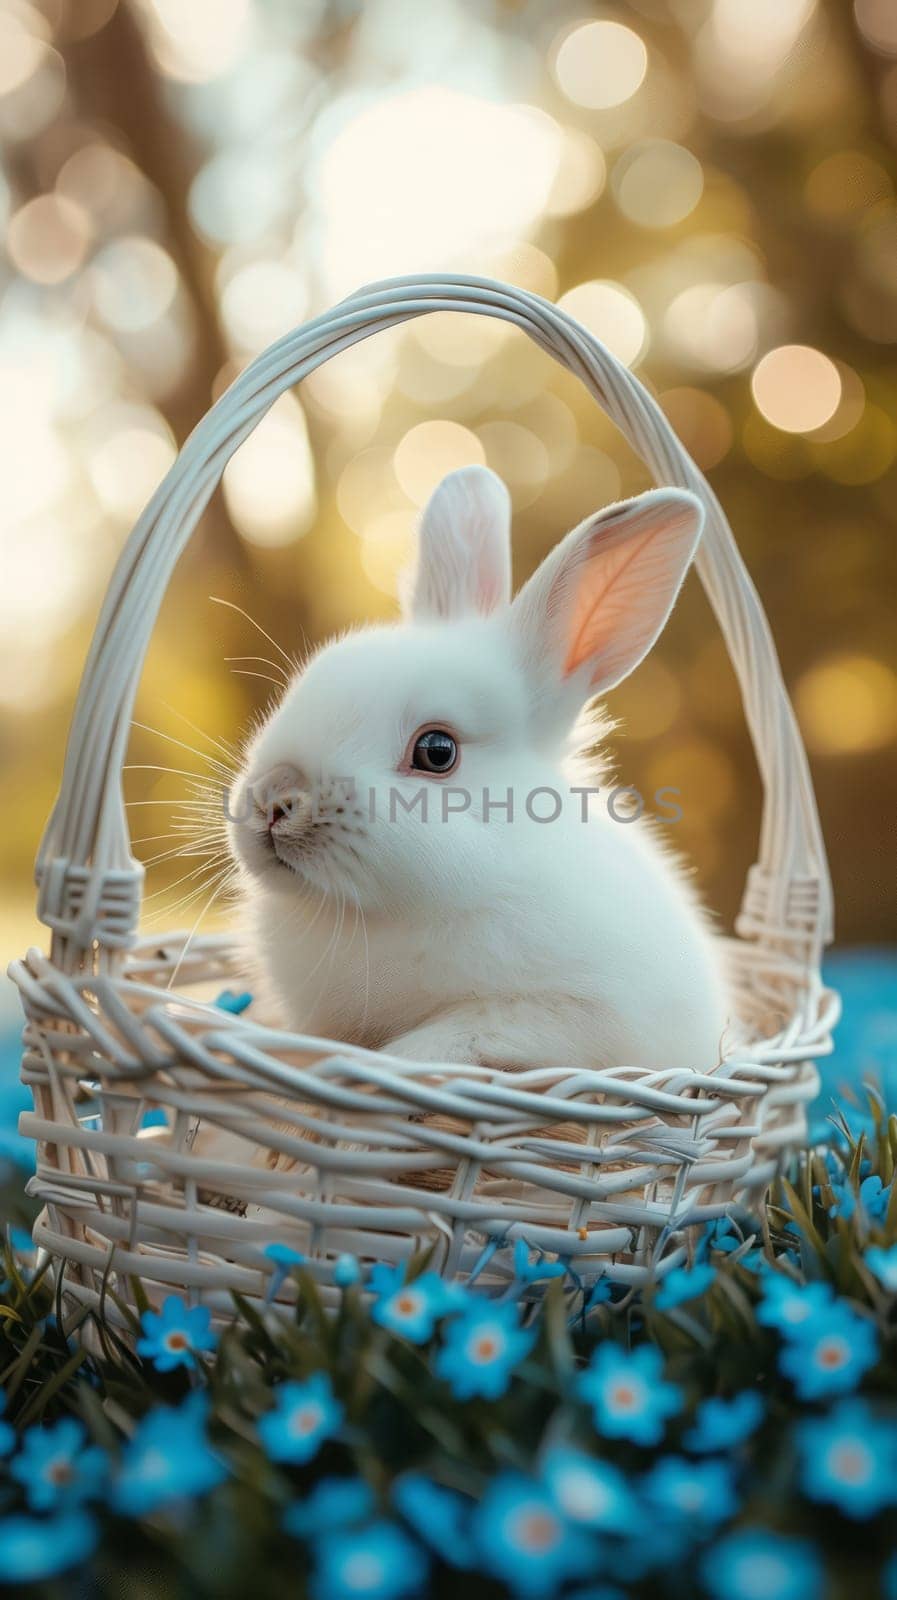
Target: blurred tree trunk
{"x": 112, "y": 75}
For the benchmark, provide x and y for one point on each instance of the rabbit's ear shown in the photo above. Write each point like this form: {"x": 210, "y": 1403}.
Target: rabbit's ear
{"x": 464, "y": 548}
{"x": 594, "y": 608}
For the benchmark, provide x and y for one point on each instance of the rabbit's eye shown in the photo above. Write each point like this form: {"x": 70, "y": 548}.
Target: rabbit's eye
{"x": 434, "y": 751}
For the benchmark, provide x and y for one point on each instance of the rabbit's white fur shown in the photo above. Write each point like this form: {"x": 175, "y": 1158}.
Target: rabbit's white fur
{"x": 481, "y": 937}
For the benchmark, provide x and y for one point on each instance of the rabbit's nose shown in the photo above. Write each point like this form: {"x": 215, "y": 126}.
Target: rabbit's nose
{"x": 282, "y": 796}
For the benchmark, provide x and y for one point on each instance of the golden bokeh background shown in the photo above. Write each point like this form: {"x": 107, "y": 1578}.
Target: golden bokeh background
{"x": 708, "y": 184}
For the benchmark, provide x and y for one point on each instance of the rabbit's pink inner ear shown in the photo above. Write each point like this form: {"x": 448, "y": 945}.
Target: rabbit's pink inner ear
{"x": 625, "y": 581}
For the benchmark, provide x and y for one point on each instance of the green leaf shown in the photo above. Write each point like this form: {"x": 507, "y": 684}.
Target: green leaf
{"x": 51, "y": 1387}
{"x": 802, "y": 1217}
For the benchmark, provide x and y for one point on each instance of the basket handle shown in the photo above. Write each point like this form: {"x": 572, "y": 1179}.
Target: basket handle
{"x": 89, "y": 881}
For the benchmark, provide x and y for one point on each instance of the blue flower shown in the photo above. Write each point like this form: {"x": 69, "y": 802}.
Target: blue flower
{"x": 664, "y": 1550}
{"x": 236, "y": 1004}
{"x": 523, "y": 1539}
{"x": 283, "y": 1255}
{"x": 533, "y": 1271}
{"x": 599, "y": 1294}
{"x": 683, "y": 1283}
{"x": 481, "y": 1349}
{"x": 439, "y": 1516}
{"x": 284, "y": 1258}
{"x": 702, "y": 1492}
{"x": 722, "y": 1235}
{"x": 168, "y": 1458}
{"x": 849, "y": 1458}
{"x": 788, "y": 1306}
{"x": 411, "y": 1309}
{"x": 304, "y": 1415}
{"x": 15, "y": 1149}
{"x": 722, "y": 1425}
{"x": 627, "y": 1392}
{"x": 883, "y": 1263}
{"x": 56, "y": 1465}
{"x": 175, "y": 1335}
{"x": 584, "y": 1490}
{"x": 34, "y": 1548}
{"x": 597, "y": 1591}
{"x": 346, "y": 1271}
{"x": 332, "y": 1503}
{"x": 379, "y": 1562}
{"x": 830, "y": 1354}
{"x": 7, "y": 1431}
{"x": 871, "y": 1201}
{"x": 156, "y": 1117}
{"x": 754, "y": 1564}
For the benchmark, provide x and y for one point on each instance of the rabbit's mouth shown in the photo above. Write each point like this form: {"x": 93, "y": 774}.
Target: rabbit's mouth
{"x": 284, "y": 825}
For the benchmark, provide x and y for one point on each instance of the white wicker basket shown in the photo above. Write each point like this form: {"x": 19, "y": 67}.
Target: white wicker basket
{"x": 663, "y": 1150}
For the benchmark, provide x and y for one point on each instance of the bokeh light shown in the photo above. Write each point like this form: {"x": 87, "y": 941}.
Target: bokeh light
{"x": 740, "y": 52}
{"x": 32, "y": 74}
{"x": 600, "y": 64}
{"x": 261, "y": 301}
{"x": 200, "y": 40}
{"x": 657, "y": 183}
{"x": 612, "y": 313}
{"x": 367, "y": 485}
{"x": 387, "y": 547}
{"x": 580, "y": 176}
{"x": 134, "y": 284}
{"x": 236, "y": 197}
{"x": 426, "y": 178}
{"x": 847, "y": 704}
{"x": 796, "y": 388}
{"x": 48, "y": 238}
{"x": 713, "y": 326}
{"x": 110, "y": 187}
{"x": 846, "y": 184}
{"x": 877, "y": 21}
{"x": 519, "y": 457}
{"x": 132, "y": 452}
{"x": 269, "y": 484}
{"x": 22, "y": 49}
{"x": 431, "y": 449}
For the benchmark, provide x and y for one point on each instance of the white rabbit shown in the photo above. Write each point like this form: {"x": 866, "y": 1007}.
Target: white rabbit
{"x": 391, "y": 895}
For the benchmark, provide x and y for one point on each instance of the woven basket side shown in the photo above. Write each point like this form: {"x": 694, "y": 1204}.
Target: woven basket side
{"x": 611, "y": 1170}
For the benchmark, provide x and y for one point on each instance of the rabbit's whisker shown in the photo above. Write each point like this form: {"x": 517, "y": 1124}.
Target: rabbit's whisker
{"x": 244, "y": 672}
{"x": 264, "y": 661}
{"x": 219, "y": 857}
{"x": 230, "y": 750}
{"x": 232, "y": 606}
{"x": 219, "y": 877}
{"x": 201, "y": 755}
{"x": 227, "y": 877}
